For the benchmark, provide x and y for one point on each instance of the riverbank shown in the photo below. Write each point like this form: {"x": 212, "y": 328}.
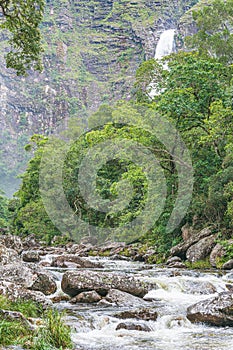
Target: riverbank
{"x": 118, "y": 302}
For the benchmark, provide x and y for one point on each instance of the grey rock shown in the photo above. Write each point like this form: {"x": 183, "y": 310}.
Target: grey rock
{"x": 198, "y": 287}
{"x": 44, "y": 283}
{"x": 64, "y": 260}
{"x": 173, "y": 259}
{"x": 14, "y": 292}
{"x": 75, "y": 282}
{"x": 217, "y": 253}
{"x": 12, "y": 242}
{"x": 201, "y": 249}
{"x": 120, "y": 298}
{"x": 28, "y": 276}
{"x": 134, "y": 326}
{"x": 30, "y": 256}
{"x": 8, "y": 256}
{"x": 86, "y": 297}
{"x": 146, "y": 314}
{"x": 177, "y": 265}
{"x": 181, "y": 249}
{"x": 228, "y": 265}
{"x": 217, "y": 311}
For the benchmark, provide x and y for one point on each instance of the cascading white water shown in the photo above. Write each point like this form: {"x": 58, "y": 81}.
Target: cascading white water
{"x": 94, "y": 326}
{"x": 165, "y": 46}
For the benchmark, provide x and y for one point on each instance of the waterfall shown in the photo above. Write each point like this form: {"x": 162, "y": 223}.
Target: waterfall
{"x": 166, "y": 44}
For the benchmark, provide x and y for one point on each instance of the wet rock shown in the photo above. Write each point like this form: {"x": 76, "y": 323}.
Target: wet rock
{"x": 30, "y": 242}
{"x": 181, "y": 248}
{"x": 229, "y": 287}
{"x": 145, "y": 314}
{"x": 17, "y": 273}
{"x": 120, "y": 298}
{"x": 64, "y": 260}
{"x": 217, "y": 311}
{"x": 228, "y": 265}
{"x": 176, "y": 321}
{"x": 139, "y": 257}
{"x": 201, "y": 249}
{"x": 8, "y": 256}
{"x": 30, "y": 256}
{"x": 112, "y": 246}
{"x": 104, "y": 302}
{"x": 75, "y": 282}
{"x": 14, "y": 292}
{"x": 12, "y": 242}
{"x": 173, "y": 259}
{"x": 44, "y": 264}
{"x": 198, "y": 287}
{"x": 59, "y": 298}
{"x": 29, "y": 277}
{"x": 134, "y": 326}
{"x": 44, "y": 283}
{"x": 86, "y": 297}
{"x": 217, "y": 253}
{"x": 81, "y": 250}
{"x": 120, "y": 257}
{"x": 177, "y": 265}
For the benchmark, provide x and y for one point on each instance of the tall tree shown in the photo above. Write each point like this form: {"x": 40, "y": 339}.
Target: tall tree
{"x": 214, "y": 22}
{"x": 21, "y": 18}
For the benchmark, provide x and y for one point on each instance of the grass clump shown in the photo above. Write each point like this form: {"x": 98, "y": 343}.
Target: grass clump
{"x": 13, "y": 332}
{"x": 53, "y": 333}
{"x": 27, "y": 307}
{"x": 199, "y": 265}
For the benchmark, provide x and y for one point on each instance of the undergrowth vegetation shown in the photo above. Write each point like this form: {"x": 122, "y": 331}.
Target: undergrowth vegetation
{"x": 50, "y": 333}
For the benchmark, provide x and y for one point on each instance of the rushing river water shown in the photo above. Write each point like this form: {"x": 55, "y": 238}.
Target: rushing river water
{"x": 94, "y": 327}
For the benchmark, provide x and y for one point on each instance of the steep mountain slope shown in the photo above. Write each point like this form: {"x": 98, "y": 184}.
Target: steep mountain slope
{"x": 92, "y": 50}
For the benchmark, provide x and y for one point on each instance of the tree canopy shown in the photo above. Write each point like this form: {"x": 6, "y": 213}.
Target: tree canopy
{"x": 21, "y": 19}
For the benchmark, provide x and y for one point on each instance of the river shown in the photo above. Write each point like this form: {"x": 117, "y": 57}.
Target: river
{"x": 94, "y": 326}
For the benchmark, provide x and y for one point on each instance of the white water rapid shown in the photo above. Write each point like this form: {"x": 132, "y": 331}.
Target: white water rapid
{"x": 94, "y": 326}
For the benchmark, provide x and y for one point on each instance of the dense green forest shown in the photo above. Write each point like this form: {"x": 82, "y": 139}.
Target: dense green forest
{"x": 195, "y": 96}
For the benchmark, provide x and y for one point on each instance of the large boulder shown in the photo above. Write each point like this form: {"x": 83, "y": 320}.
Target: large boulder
{"x": 117, "y": 297}
{"x": 181, "y": 249}
{"x": 198, "y": 287}
{"x": 201, "y": 249}
{"x": 217, "y": 311}
{"x": 14, "y": 292}
{"x": 64, "y": 260}
{"x": 75, "y": 282}
{"x": 8, "y": 256}
{"x": 217, "y": 253}
{"x": 134, "y": 326}
{"x": 12, "y": 242}
{"x": 146, "y": 314}
{"x": 44, "y": 283}
{"x": 29, "y": 277}
{"x": 30, "y": 256}
{"x": 17, "y": 273}
{"x": 30, "y": 242}
{"x": 228, "y": 265}
{"x": 86, "y": 297}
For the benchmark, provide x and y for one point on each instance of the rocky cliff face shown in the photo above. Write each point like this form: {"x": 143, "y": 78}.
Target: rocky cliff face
{"x": 92, "y": 50}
